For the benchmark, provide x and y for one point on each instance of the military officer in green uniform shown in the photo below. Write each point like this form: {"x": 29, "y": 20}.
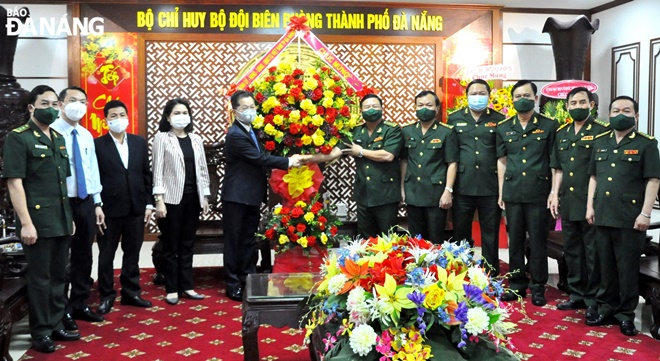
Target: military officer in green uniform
{"x": 36, "y": 166}
{"x": 476, "y": 182}
{"x": 570, "y": 158}
{"x": 524, "y": 144}
{"x": 625, "y": 172}
{"x": 428, "y": 169}
{"x": 376, "y": 146}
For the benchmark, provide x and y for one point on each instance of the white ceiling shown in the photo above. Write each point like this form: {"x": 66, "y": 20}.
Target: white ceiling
{"x": 551, "y": 4}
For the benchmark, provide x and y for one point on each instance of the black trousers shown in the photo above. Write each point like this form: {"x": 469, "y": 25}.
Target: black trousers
{"x": 177, "y": 232}
{"x": 619, "y": 250}
{"x": 130, "y": 231}
{"x": 581, "y": 261}
{"x": 373, "y": 221}
{"x": 240, "y": 222}
{"x": 489, "y": 221}
{"x": 429, "y": 222}
{"x": 46, "y": 278}
{"x": 532, "y": 219}
{"x": 84, "y": 216}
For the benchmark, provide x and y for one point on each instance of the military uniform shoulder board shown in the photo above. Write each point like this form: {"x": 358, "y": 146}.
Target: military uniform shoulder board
{"x": 646, "y": 135}
{"x": 604, "y": 133}
{"x": 391, "y": 124}
{"x": 22, "y": 128}
{"x": 505, "y": 120}
{"x": 601, "y": 123}
{"x": 409, "y": 124}
{"x": 55, "y": 131}
{"x": 446, "y": 125}
{"x": 563, "y": 126}
{"x": 456, "y": 111}
{"x": 495, "y": 111}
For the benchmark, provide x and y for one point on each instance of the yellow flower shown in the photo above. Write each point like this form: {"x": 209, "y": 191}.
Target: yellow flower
{"x": 270, "y": 129}
{"x": 294, "y": 116}
{"x": 318, "y": 137}
{"x": 306, "y": 139}
{"x": 339, "y": 124}
{"x": 277, "y": 210}
{"x": 308, "y": 106}
{"x": 310, "y": 84}
{"x": 324, "y": 238}
{"x": 301, "y": 204}
{"x": 278, "y": 119}
{"x": 328, "y": 83}
{"x": 285, "y": 65}
{"x": 279, "y": 88}
{"x": 290, "y": 99}
{"x": 391, "y": 299}
{"x": 310, "y": 71}
{"x": 339, "y": 103}
{"x": 327, "y": 102}
{"x": 298, "y": 179}
{"x": 258, "y": 122}
{"x": 317, "y": 120}
{"x": 302, "y": 241}
{"x": 283, "y": 239}
{"x": 333, "y": 141}
{"x": 306, "y": 120}
{"x": 329, "y": 94}
{"x": 309, "y": 216}
{"x": 279, "y": 135}
{"x": 434, "y": 297}
{"x": 269, "y": 104}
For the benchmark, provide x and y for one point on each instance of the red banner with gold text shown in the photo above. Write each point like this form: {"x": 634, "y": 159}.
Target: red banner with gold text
{"x": 109, "y": 72}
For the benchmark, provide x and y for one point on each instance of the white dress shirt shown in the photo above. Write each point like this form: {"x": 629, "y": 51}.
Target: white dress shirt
{"x": 89, "y": 162}
{"x": 122, "y": 148}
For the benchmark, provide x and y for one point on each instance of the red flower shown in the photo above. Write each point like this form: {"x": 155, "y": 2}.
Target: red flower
{"x": 298, "y": 82}
{"x": 284, "y": 211}
{"x": 297, "y": 212}
{"x": 337, "y": 90}
{"x": 270, "y": 146}
{"x": 288, "y": 140}
{"x": 322, "y": 227}
{"x": 311, "y": 241}
{"x": 316, "y": 207}
{"x": 290, "y": 230}
{"x": 317, "y": 94}
{"x": 301, "y": 227}
{"x": 294, "y": 128}
{"x": 232, "y": 89}
{"x": 333, "y": 130}
{"x": 299, "y": 143}
{"x": 304, "y": 129}
{"x": 260, "y": 98}
{"x": 285, "y": 220}
{"x": 326, "y": 149}
{"x": 325, "y": 69}
{"x": 303, "y": 114}
{"x": 287, "y": 80}
{"x": 278, "y": 110}
{"x": 297, "y": 72}
{"x": 296, "y": 92}
{"x": 320, "y": 110}
{"x": 270, "y": 79}
{"x": 323, "y": 219}
{"x": 333, "y": 230}
{"x": 268, "y": 119}
{"x": 272, "y": 69}
{"x": 336, "y": 78}
{"x": 270, "y": 233}
{"x": 350, "y": 91}
{"x": 318, "y": 77}
{"x": 345, "y": 111}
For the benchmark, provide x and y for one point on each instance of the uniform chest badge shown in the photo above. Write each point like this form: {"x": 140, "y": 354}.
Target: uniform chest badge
{"x": 601, "y": 151}
{"x": 378, "y": 139}
{"x": 511, "y": 133}
{"x": 538, "y": 131}
{"x": 461, "y": 124}
{"x": 62, "y": 147}
{"x": 40, "y": 146}
{"x": 358, "y": 141}
{"x": 587, "y": 137}
{"x": 491, "y": 124}
{"x": 436, "y": 141}
{"x": 630, "y": 151}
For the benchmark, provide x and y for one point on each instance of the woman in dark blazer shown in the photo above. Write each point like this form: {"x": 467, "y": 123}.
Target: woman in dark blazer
{"x": 181, "y": 191}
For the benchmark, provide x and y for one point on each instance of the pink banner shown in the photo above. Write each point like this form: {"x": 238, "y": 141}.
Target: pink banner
{"x": 333, "y": 61}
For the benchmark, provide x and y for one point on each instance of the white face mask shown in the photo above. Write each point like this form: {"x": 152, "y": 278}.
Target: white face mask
{"x": 118, "y": 125}
{"x": 75, "y": 111}
{"x": 247, "y": 116}
{"x": 180, "y": 121}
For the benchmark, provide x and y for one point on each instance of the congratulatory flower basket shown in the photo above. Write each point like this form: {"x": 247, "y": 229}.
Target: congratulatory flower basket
{"x": 403, "y": 298}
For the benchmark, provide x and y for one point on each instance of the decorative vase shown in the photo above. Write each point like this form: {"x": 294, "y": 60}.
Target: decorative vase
{"x": 295, "y": 261}
{"x": 570, "y": 42}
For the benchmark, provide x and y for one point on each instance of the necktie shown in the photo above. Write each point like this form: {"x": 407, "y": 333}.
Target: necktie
{"x": 80, "y": 172}
{"x": 254, "y": 138}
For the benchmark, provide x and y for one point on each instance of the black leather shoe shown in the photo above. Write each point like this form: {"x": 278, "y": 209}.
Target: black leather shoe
{"x": 539, "y": 300}
{"x": 64, "y": 335}
{"x": 591, "y": 312}
{"x": 601, "y": 320}
{"x": 235, "y": 294}
{"x": 511, "y": 295}
{"x": 69, "y": 323}
{"x": 43, "y": 344}
{"x": 571, "y": 305}
{"x": 136, "y": 301}
{"x": 86, "y": 314}
{"x": 628, "y": 328}
{"x": 105, "y": 306}
{"x": 193, "y": 296}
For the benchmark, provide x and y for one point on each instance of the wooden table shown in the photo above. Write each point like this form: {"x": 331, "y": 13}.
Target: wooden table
{"x": 274, "y": 299}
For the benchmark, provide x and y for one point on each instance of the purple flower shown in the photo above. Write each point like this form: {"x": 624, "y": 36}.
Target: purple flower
{"x": 461, "y": 312}
{"x": 475, "y": 295}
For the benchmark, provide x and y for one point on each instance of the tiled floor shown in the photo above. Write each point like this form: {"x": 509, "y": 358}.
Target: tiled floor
{"x": 21, "y": 340}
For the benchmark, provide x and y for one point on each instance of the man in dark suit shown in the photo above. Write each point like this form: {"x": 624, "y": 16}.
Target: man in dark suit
{"x": 243, "y": 191}
{"x": 126, "y": 179}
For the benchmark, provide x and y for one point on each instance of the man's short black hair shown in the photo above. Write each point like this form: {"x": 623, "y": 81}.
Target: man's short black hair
{"x": 520, "y": 83}
{"x": 113, "y": 104}
{"x": 164, "y": 125}
{"x": 424, "y": 93}
{"x": 72, "y": 87}
{"x": 38, "y": 90}
{"x": 625, "y": 97}
{"x": 238, "y": 95}
{"x": 580, "y": 89}
{"x": 477, "y": 81}
{"x": 369, "y": 96}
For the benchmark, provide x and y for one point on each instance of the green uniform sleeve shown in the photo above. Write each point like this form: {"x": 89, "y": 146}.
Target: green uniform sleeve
{"x": 592, "y": 161}
{"x": 499, "y": 144}
{"x": 451, "y": 148}
{"x": 393, "y": 141}
{"x": 651, "y": 161}
{"x": 15, "y": 157}
{"x": 554, "y": 156}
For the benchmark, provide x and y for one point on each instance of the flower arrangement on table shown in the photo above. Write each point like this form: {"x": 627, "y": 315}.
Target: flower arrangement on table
{"x": 303, "y": 111}
{"x": 307, "y": 225}
{"x": 500, "y": 99}
{"x": 403, "y": 298}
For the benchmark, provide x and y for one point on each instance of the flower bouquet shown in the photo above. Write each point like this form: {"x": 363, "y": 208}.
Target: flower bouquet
{"x": 500, "y": 100}
{"x": 403, "y": 298}
{"x": 303, "y": 111}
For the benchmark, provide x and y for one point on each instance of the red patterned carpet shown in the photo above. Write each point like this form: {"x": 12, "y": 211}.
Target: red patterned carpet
{"x": 211, "y": 330}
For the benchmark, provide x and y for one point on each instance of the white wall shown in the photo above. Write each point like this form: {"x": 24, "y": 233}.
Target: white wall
{"x": 41, "y": 59}
{"x": 636, "y": 21}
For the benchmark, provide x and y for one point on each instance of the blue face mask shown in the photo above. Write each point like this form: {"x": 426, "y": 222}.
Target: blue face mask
{"x": 478, "y": 102}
